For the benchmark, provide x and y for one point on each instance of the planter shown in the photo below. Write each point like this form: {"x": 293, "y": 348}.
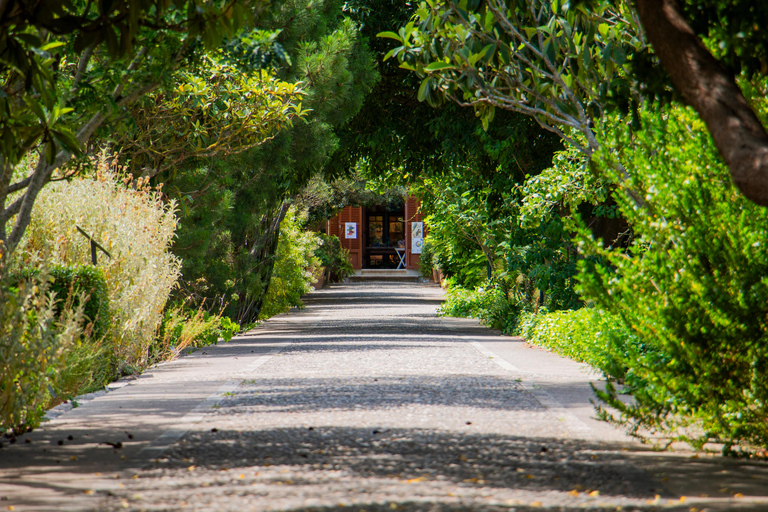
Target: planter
{"x": 319, "y": 278}
{"x": 438, "y": 277}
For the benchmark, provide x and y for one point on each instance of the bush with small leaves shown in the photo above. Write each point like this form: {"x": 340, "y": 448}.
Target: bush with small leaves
{"x": 37, "y": 331}
{"x": 134, "y": 224}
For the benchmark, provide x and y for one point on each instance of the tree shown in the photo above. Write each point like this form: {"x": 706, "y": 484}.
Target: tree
{"x": 563, "y": 67}
{"x": 213, "y": 110}
{"x": 711, "y": 89}
{"x": 244, "y": 198}
{"x": 67, "y": 68}
{"x": 566, "y": 63}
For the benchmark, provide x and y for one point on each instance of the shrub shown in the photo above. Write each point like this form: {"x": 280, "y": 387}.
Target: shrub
{"x": 183, "y": 327}
{"x": 586, "y": 335}
{"x": 90, "y": 363}
{"x": 334, "y": 258}
{"x": 35, "y": 340}
{"x": 491, "y": 305}
{"x": 70, "y": 283}
{"x": 426, "y": 260}
{"x": 134, "y": 225}
{"x": 693, "y": 288}
{"x": 294, "y": 260}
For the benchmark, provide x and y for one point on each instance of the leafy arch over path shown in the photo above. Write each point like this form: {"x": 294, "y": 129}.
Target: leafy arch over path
{"x": 566, "y": 62}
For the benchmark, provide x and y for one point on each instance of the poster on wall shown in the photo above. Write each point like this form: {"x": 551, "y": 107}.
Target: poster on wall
{"x": 350, "y": 231}
{"x": 417, "y": 237}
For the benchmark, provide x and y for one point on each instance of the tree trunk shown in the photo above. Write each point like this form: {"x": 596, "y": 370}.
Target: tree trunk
{"x": 263, "y": 252}
{"x": 712, "y": 91}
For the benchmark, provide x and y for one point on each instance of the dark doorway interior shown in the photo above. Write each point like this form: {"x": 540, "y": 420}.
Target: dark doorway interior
{"x": 384, "y": 232}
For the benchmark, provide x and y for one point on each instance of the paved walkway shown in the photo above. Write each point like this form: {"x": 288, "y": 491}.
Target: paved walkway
{"x": 362, "y": 401}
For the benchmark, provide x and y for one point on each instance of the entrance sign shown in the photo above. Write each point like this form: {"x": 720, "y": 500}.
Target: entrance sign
{"x": 350, "y": 231}
{"x": 417, "y": 237}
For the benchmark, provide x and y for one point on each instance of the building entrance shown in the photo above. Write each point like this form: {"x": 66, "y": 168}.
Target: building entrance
{"x": 384, "y": 236}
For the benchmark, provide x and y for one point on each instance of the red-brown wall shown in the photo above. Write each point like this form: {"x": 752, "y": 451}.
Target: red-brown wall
{"x": 336, "y": 225}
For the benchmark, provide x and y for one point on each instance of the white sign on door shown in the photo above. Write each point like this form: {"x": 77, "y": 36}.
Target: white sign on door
{"x": 350, "y": 230}
{"x": 417, "y": 237}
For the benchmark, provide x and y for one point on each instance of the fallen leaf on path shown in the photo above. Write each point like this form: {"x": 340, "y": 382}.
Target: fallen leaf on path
{"x": 654, "y": 501}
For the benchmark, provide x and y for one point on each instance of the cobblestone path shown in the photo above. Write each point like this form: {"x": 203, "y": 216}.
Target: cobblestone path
{"x": 367, "y": 401}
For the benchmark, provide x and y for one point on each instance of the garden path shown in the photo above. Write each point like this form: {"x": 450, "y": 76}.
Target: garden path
{"x": 364, "y": 400}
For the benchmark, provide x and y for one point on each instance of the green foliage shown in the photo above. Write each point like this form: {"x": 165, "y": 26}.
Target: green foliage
{"x": 215, "y": 109}
{"x": 294, "y": 261}
{"x": 334, "y": 258}
{"x": 426, "y": 259}
{"x": 41, "y": 41}
{"x": 204, "y": 237}
{"x": 480, "y": 230}
{"x": 35, "y": 341}
{"x": 135, "y": 225}
{"x": 692, "y": 288}
{"x": 561, "y": 189}
{"x": 491, "y": 305}
{"x": 183, "y": 327}
{"x": 561, "y": 64}
{"x": 587, "y": 335}
{"x": 71, "y": 283}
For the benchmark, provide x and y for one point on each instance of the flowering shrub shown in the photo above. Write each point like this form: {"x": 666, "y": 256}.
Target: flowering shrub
{"x": 133, "y": 224}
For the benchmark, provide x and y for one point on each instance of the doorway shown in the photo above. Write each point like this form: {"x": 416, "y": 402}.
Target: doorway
{"x": 384, "y": 233}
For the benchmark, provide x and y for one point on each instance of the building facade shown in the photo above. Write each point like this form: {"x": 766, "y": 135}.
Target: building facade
{"x": 381, "y": 238}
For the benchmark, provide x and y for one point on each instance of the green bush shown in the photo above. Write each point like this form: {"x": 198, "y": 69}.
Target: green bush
{"x": 35, "y": 341}
{"x": 183, "y": 327}
{"x": 491, "y": 305}
{"x": 426, "y": 260}
{"x": 334, "y": 258}
{"x": 586, "y": 335}
{"x": 292, "y": 274}
{"x": 693, "y": 288}
{"x": 70, "y": 283}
